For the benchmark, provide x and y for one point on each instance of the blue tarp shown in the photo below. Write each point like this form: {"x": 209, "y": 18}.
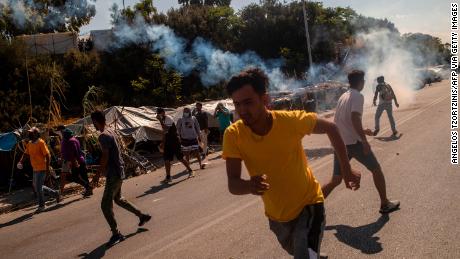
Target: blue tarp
{"x": 7, "y": 141}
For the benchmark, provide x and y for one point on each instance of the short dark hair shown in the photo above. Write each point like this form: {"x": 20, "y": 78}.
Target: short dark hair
{"x": 355, "y": 77}
{"x": 198, "y": 103}
{"x": 252, "y": 76}
{"x": 160, "y": 110}
{"x": 98, "y": 116}
{"x": 380, "y": 79}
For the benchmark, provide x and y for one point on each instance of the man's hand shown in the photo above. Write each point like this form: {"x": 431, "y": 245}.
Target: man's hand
{"x": 397, "y": 105}
{"x": 352, "y": 179}
{"x": 258, "y": 184}
{"x": 366, "y": 148}
{"x": 374, "y": 103}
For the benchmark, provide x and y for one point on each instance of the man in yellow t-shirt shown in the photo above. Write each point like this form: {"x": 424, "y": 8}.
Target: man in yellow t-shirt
{"x": 269, "y": 143}
{"x": 40, "y": 159}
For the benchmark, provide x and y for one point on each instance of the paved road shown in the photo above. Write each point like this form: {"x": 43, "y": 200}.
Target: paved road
{"x": 198, "y": 218}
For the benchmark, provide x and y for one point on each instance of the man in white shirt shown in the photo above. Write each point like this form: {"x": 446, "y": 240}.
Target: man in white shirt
{"x": 348, "y": 118}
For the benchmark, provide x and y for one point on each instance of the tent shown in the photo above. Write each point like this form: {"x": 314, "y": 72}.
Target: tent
{"x": 139, "y": 124}
{"x": 209, "y": 108}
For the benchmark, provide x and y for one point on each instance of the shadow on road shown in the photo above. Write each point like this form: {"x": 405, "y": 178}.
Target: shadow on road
{"x": 99, "y": 252}
{"x": 162, "y": 186}
{"x": 318, "y": 152}
{"x": 29, "y": 215}
{"x": 390, "y": 138}
{"x": 17, "y": 220}
{"x": 361, "y": 237}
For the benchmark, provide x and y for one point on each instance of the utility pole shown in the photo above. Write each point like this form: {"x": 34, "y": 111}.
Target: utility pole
{"x": 307, "y": 34}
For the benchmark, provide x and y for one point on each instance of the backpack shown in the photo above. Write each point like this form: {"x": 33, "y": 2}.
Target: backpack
{"x": 386, "y": 93}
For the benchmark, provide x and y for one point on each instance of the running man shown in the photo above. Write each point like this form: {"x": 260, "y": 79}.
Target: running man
{"x": 112, "y": 167}
{"x": 73, "y": 159}
{"x": 40, "y": 158}
{"x": 386, "y": 97}
{"x": 202, "y": 117}
{"x": 188, "y": 129}
{"x": 171, "y": 144}
{"x": 348, "y": 118}
{"x": 270, "y": 144}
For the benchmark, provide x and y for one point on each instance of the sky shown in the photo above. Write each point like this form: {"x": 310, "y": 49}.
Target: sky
{"x": 410, "y": 16}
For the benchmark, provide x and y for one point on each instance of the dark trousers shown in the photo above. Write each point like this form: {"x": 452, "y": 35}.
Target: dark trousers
{"x": 112, "y": 192}
{"x": 80, "y": 176}
{"x": 303, "y": 233}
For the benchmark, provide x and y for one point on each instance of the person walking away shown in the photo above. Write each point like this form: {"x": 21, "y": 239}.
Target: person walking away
{"x": 386, "y": 96}
{"x": 188, "y": 129}
{"x": 73, "y": 158}
{"x": 40, "y": 159}
{"x": 112, "y": 166}
{"x": 202, "y": 117}
{"x": 348, "y": 118}
{"x": 171, "y": 144}
{"x": 270, "y": 144}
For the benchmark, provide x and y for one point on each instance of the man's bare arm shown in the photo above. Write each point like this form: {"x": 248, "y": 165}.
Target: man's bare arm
{"x": 375, "y": 96}
{"x": 329, "y": 128}
{"x": 238, "y": 186}
{"x": 104, "y": 160}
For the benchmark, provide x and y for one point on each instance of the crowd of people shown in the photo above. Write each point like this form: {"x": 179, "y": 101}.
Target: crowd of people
{"x": 267, "y": 141}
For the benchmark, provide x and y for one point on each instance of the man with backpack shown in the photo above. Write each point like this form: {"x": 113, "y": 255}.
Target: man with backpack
{"x": 386, "y": 96}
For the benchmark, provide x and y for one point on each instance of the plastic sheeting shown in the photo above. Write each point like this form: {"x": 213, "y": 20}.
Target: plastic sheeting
{"x": 138, "y": 123}
{"x": 7, "y": 141}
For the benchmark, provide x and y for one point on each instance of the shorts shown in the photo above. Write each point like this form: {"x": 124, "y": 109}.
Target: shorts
{"x": 171, "y": 151}
{"x": 356, "y": 151}
{"x": 189, "y": 145}
{"x": 303, "y": 233}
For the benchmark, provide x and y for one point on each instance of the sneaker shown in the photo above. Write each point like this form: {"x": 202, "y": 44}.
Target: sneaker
{"x": 376, "y": 132}
{"x": 88, "y": 193}
{"x": 191, "y": 173}
{"x": 389, "y": 207}
{"x": 115, "y": 239}
{"x": 40, "y": 209}
{"x": 167, "y": 179}
{"x": 203, "y": 165}
{"x": 144, "y": 218}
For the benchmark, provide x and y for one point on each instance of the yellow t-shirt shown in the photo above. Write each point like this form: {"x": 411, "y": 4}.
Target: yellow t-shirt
{"x": 280, "y": 156}
{"x": 37, "y": 152}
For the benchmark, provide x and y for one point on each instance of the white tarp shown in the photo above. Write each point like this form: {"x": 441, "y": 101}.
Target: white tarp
{"x": 209, "y": 108}
{"x": 139, "y": 123}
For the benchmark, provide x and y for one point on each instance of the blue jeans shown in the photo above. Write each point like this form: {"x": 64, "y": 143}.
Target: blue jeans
{"x": 385, "y": 107}
{"x": 39, "y": 180}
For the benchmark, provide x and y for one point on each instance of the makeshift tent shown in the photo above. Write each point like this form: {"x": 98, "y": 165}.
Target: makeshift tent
{"x": 7, "y": 141}
{"x": 139, "y": 124}
{"x": 209, "y": 108}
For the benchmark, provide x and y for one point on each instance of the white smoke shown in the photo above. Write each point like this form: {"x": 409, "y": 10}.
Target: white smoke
{"x": 28, "y": 13}
{"x": 382, "y": 53}
{"x": 212, "y": 64}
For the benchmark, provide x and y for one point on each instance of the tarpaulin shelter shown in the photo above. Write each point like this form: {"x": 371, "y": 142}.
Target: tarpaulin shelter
{"x": 209, "y": 107}
{"x": 140, "y": 124}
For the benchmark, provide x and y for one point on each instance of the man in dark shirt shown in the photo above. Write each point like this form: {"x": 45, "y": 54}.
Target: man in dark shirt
{"x": 112, "y": 166}
{"x": 386, "y": 96}
{"x": 202, "y": 118}
{"x": 74, "y": 160}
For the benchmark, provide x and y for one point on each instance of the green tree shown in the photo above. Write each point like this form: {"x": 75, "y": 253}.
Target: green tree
{"x": 42, "y": 16}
